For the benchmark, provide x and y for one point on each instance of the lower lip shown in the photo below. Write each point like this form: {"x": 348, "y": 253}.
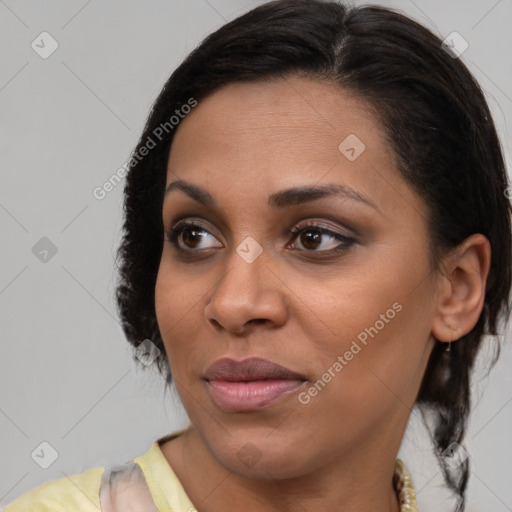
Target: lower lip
{"x": 251, "y": 395}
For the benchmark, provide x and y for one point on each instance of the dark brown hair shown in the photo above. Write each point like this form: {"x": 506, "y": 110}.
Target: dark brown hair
{"x": 437, "y": 122}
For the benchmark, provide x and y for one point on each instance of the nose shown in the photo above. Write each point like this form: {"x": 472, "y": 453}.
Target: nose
{"x": 246, "y": 295}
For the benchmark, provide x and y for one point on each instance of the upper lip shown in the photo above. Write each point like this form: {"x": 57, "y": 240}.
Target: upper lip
{"x": 253, "y": 368}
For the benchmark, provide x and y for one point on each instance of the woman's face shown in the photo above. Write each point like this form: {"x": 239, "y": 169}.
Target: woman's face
{"x": 349, "y": 310}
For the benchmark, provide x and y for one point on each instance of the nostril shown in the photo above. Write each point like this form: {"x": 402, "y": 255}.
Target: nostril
{"x": 215, "y": 323}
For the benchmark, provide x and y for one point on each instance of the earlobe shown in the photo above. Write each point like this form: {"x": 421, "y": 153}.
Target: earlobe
{"x": 461, "y": 296}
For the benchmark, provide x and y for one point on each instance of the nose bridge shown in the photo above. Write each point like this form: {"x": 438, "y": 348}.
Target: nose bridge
{"x": 243, "y": 277}
{"x": 245, "y": 292}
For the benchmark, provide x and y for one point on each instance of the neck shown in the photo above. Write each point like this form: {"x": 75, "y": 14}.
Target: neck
{"x": 351, "y": 482}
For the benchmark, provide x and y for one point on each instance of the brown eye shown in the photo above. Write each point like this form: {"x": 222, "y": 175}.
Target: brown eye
{"x": 190, "y": 237}
{"x": 312, "y": 237}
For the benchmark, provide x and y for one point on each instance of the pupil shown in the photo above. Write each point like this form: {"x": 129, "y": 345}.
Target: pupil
{"x": 192, "y": 237}
{"x": 311, "y": 238}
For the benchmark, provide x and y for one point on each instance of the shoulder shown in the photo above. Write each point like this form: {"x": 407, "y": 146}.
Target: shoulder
{"x": 79, "y": 492}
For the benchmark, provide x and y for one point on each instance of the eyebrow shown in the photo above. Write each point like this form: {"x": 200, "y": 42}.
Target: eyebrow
{"x": 282, "y": 199}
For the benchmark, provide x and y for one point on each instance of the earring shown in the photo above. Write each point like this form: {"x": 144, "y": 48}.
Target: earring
{"x": 447, "y": 349}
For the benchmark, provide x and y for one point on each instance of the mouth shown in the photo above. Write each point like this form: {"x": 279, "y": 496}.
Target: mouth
{"x": 250, "y": 384}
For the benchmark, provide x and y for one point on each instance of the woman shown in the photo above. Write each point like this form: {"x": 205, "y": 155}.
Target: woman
{"x": 316, "y": 239}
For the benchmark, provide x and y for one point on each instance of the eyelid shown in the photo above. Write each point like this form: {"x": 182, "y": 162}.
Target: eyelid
{"x": 333, "y": 223}
{"x": 195, "y": 214}
{"x": 192, "y": 221}
{"x": 325, "y": 225}
{"x": 345, "y": 242}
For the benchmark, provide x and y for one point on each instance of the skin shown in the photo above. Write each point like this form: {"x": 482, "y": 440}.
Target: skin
{"x": 298, "y": 306}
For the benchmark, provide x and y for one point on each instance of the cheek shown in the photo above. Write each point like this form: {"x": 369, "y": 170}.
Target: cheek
{"x": 336, "y": 308}
{"x": 376, "y": 321}
{"x": 178, "y": 305}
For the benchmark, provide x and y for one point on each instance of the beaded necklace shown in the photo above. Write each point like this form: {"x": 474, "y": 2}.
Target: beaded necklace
{"x": 404, "y": 488}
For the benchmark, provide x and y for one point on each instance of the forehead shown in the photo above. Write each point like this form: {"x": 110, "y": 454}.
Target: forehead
{"x": 282, "y": 113}
{"x": 269, "y": 135}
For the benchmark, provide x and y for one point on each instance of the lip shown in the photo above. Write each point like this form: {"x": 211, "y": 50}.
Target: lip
{"x": 253, "y": 368}
{"x": 251, "y": 384}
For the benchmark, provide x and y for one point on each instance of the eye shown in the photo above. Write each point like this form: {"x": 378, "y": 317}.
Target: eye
{"x": 190, "y": 236}
{"x": 316, "y": 238}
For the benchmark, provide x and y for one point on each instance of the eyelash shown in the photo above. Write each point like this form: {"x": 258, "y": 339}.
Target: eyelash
{"x": 346, "y": 242}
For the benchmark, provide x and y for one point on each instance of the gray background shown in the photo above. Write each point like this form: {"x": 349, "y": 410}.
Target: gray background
{"x": 68, "y": 123}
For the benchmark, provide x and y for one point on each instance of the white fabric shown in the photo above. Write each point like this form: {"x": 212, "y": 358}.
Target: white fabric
{"x": 124, "y": 489}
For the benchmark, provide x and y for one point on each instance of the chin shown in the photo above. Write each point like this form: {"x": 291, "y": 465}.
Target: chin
{"x": 261, "y": 457}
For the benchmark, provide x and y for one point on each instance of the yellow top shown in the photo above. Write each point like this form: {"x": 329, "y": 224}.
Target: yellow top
{"x": 144, "y": 484}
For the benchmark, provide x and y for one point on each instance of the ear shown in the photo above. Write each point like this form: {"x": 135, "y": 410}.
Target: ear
{"x": 461, "y": 292}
